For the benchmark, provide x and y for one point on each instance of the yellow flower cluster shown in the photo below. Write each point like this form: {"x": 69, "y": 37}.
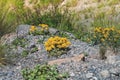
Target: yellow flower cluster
{"x": 56, "y": 42}
{"x": 105, "y": 33}
{"x": 43, "y": 27}
{"x": 33, "y": 28}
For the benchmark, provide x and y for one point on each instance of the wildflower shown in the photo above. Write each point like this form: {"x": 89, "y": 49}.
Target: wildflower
{"x": 102, "y": 39}
{"x": 33, "y": 28}
{"x": 56, "y": 42}
{"x": 43, "y": 25}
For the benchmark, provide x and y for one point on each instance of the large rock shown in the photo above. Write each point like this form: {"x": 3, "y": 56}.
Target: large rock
{"x": 22, "y": 30}
{"x": 53, "y": 31}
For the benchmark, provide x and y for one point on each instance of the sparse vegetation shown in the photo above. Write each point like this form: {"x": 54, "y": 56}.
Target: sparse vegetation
{"x": 43, "y": 72}
{"x": 2, "y": 55}
{"x": 80, "y": 23}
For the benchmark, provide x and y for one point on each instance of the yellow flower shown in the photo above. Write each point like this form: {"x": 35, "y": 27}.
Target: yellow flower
{"x": 113, "y": 28}
{"x": 48, "y": 48}
{"x": 105, "y": 36}
{"x": 102, "y": 40}
{"x": 43, "y": 25}
{"x": 56, "y": 42}
{"x": 46, "y": 28}
{"x": 88, "y": 40}
{"x": 94, "y": 36}
{"x": 33, "y": 28}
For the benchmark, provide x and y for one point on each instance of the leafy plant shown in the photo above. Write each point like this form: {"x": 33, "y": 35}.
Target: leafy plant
{"x": 34, "y": 49}
{"x": 2, "y": 55}
{"x": 106, "y": 37}
{"x": 20, "y": 42}
{"x": 43, "y": 30}
{"x": 25, "y": 53}
{"x": 57, "y": 46}
{"x": 43, "y": 72}
{"x": 102, "y": 52}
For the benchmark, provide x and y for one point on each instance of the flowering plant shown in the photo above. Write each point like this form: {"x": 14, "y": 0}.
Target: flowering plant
{"x": 44, "y": 28}
{"x": 33, "y": 28}
{"x": 57, "y": 45}
{"x": 39, "y": 31}
{"x": 106, "y": 37}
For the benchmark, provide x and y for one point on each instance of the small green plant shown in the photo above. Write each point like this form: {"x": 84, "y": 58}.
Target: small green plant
{"x": 2, "y": 55}
{"x": 42, "y": 30}
{"x": 43, "y": 72}
{"x": 102, "y": 52}
{"x": 57, "y": 46}
{"x": 20, "y": 42}
{"x": 25, "y": 53}
{"x": 34, "y": 49}
{"x": 63, "y": 34}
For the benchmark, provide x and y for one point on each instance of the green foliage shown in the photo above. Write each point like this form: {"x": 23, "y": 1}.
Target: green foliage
{"x": 63, "y": 34}
{"x": 2, "y": 55}
{"x": 20, "y": 42}
{"x": 34, "y": 49}
{"x": 102, "y": 52}
{"x": 54, "y": 18}
{"x": 107, "y": 37}
{"x": 58, "y": 52}
{"x": 113, "y": 2}
{"x": 6, "y": 19}
{"x": 25, "y": 53}
{"x": 41, "y": 30}
{"x": 43, "y": 72}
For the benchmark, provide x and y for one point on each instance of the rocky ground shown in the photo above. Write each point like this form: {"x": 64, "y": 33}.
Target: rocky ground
{"x": 92, "y": 68}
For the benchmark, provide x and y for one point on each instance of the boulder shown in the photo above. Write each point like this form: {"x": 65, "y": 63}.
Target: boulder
{"x": 22, "y": 30}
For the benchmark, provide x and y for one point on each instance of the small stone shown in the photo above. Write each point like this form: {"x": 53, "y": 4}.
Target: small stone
{"x": 113, "y": 71}
{"x": 111, "y": 59}
{"x": 94, "y": 78}
{"x": 22, "y": 30}
{"x": 53, "y": 31}
{"x": 89, "y": 75}
{"x": 72, "y": 74}
{"x": 105, "y": 73}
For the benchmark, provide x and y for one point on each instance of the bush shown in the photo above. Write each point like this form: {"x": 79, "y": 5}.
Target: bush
{"x": 108, "y": 36}
{"x": 43, "y": 72}
{"x": 42, "y": 30}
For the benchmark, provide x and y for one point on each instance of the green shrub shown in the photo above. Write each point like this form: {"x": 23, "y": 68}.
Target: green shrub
{"x": 43, "y": 72}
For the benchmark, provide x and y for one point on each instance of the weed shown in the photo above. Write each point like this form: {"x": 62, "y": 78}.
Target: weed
{"x": 20, "y": 42}
{"x": 34, "y": 49}
{"x": 43, "y": 72}
{"x": 2, "y": 55}
{"x": 25, "y": 53}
